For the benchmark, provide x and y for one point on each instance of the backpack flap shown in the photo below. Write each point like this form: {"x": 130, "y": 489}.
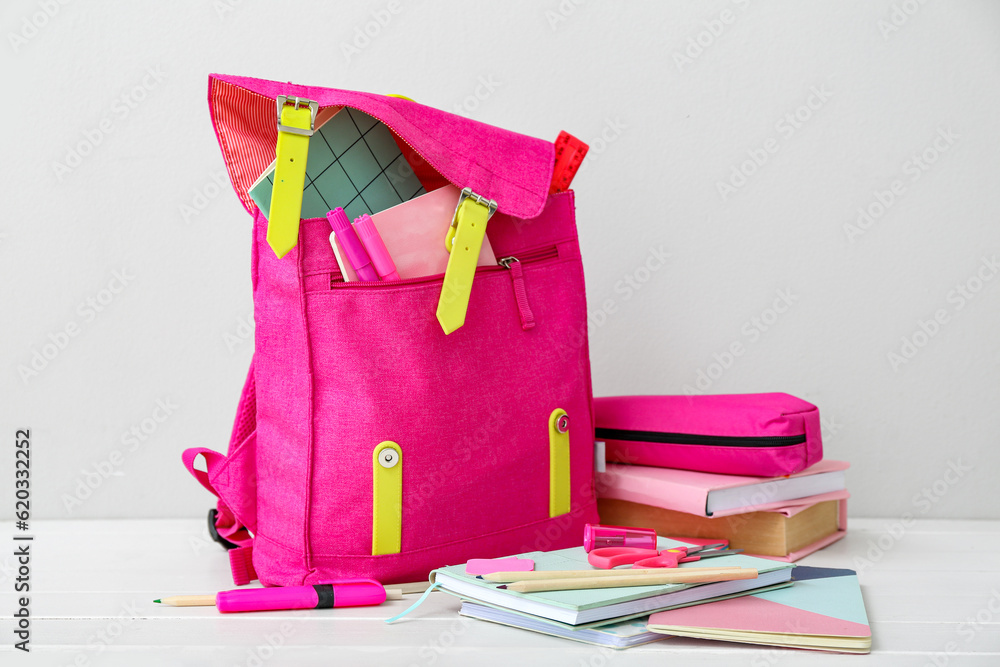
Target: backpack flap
{"x": 510, "y": 168}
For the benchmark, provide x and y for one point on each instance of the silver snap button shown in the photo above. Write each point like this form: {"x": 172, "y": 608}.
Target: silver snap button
{"x": 388, "y": 458}
{"x": 562, "y": 424}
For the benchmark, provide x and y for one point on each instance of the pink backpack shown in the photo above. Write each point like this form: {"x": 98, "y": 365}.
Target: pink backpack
{"x": 368, "y": 443}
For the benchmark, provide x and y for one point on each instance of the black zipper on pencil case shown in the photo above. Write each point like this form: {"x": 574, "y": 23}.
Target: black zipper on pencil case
{"x": 692, "y": 439}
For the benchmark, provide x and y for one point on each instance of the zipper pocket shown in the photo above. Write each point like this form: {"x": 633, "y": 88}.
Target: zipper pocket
{"x": 528, "y": 257}
{"x": 693, "y": 439}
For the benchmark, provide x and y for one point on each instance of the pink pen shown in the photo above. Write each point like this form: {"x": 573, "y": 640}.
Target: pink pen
{"x": 376, "y": 247}
{"x": 351, "y": 244}
{"x": 596, "y": 537}
{"x": 343, "y": 593}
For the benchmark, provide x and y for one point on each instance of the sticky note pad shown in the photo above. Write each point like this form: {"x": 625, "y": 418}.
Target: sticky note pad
{"x": 355, "y": 163}
{"x": 479, "y": 566}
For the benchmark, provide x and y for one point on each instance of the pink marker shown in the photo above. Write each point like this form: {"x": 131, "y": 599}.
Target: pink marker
{"x": 596, "y": 537}
{"x": 373, "y": 243}
{"x": 351, "y": 245}
{"x": 344, "y": 593}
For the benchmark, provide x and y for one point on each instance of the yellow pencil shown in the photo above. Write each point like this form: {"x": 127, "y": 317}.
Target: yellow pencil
{"x": 691, "y": 576}
{"x": 508, "y": 577}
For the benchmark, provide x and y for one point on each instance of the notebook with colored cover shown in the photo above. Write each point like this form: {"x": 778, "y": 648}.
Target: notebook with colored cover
{"x": 579, "y": 607}
{"x": 354, "y": 162}
{"x": 620, "y": 633}
{"x": 413, "y": 233}
{"x": 712, "y": 494}
{"x": 822, "y": 610}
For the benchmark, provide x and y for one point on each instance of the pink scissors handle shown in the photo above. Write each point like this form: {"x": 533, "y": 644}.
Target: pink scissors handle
{"x": 611, "y": 557}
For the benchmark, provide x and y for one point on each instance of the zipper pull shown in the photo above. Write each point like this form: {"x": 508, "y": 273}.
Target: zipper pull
{"x": 513, "y": 264}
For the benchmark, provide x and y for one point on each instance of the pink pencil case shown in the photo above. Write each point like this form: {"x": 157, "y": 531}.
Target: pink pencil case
{"x": 735, "y": 434}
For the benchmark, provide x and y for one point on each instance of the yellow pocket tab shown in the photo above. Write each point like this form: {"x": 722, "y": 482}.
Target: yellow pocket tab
{"x": 387, "y": 498}
{"x": 559, "y": 489}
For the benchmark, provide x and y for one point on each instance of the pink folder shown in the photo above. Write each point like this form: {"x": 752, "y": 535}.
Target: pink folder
{"x": 414, "y": 233}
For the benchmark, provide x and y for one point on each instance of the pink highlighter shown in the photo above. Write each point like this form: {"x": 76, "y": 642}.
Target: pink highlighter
{"x": 375, "y": 246}
{"x": 598, "y": 537}
{"x": 351, "y": 244}
{"x": 343, "y": 593}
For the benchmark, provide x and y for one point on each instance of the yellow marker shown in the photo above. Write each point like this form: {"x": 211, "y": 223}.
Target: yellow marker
{"x": 387, "y": 498}
{"x": 464, "y": 241}
{"x": 559, "y": 502}
{"x": 296, "y": 123}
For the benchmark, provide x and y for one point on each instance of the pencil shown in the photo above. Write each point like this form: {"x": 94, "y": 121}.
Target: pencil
{"x": 675, "y": 577}
{"x": 188, "y": 601}
{"x": 508, "y": 577}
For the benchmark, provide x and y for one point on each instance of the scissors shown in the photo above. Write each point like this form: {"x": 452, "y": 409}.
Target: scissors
{"x": 611, "y": 557}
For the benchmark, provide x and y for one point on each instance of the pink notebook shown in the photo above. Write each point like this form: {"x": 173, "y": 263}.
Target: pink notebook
{"x": 712, "y": 494}
{"x": 414, "y": 232}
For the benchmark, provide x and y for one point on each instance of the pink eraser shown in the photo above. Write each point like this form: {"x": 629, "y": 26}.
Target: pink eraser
{"x": 479, "y": 566}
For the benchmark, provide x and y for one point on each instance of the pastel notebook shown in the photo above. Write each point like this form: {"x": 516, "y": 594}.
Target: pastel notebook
{"x": 414, "y": 233}
{"x": 823, "y": 610}
{"x": 712, "y": 494}
{"x": 623, "y": 634}
{"x": 355, "y": 163}
{"x": 618, "y": 634}
{"x": 603, "y": 605}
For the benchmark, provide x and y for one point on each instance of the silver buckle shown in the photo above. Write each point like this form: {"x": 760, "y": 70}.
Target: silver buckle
{"x": 298, "y": 101}
{"x": 467, "y": 193}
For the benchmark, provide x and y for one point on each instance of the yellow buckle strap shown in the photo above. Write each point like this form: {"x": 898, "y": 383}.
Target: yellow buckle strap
{"x": 464, "y": 242}
{"x": 295, "y": 126}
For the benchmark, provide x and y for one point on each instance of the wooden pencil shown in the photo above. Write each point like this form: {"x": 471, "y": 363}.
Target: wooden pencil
{"x": 674, "y": 577}
{"x": 188, "y": 601}
{"x": 508, "y": 577}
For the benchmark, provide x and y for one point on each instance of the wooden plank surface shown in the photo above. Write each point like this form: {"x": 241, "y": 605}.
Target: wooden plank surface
{"x": 932, "y": 593}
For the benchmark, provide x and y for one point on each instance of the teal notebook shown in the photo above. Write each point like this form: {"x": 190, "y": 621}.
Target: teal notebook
{"x": 580, "y": 607}
{"x": 355, "y": 163}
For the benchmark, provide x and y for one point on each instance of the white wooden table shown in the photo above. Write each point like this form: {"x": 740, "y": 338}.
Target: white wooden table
{"x": 932, "y": 593}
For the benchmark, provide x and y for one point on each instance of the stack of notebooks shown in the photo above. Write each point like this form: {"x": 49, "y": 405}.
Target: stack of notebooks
{"x": 814, "y": 608}
{"x": 784, "y": 518}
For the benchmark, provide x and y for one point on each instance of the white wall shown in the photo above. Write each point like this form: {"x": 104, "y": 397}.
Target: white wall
{"x": 665, "y": 132}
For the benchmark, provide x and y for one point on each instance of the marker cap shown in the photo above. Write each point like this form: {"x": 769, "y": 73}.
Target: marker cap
{"x": 375, "y": 246}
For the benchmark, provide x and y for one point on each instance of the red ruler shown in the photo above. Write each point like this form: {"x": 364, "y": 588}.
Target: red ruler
{"x": 570, "y": 152}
